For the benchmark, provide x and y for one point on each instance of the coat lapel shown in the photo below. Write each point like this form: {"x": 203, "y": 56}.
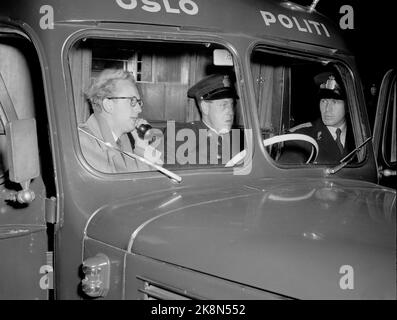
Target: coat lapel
{"x": 349, "y": 144}
{"x": 114, "y": 157}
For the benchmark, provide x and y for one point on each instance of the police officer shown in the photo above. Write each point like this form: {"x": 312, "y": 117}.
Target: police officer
{"x": 331, "y": 130}
{"x": 210, "y": 140}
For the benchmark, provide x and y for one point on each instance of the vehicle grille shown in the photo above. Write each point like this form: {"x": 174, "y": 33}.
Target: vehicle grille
{"x": 152, "y": 290}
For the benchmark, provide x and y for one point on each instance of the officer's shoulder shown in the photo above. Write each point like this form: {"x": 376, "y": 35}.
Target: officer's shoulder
{"x": 301, "y": 126}
{"x": 185, "y": 124}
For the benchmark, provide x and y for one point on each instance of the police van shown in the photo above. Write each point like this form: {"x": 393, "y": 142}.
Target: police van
{"x": 253, "y": 228}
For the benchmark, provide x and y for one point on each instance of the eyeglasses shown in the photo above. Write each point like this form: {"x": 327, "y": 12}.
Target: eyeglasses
{"x": 133, "y": 100}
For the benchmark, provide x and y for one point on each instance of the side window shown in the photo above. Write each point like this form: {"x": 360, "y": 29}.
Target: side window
{"x": 176, "y": 90}
{"x": 303, "y": 106}
{"x": 389, "y": 140}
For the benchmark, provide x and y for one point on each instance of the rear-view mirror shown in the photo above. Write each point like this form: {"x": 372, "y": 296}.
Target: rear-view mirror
{"x": 22, "y": 150}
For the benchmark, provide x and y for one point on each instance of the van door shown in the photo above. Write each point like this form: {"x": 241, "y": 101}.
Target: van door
{"x": 25, "y": 263}
{"x": 385, "y": 130}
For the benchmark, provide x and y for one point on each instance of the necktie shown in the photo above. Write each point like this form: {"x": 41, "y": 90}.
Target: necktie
{"x": 338, "y": 142}
{"x": 219, "y": 155}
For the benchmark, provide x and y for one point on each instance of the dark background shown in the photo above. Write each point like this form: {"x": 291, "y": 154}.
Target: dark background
{"x": 373, "y": 40}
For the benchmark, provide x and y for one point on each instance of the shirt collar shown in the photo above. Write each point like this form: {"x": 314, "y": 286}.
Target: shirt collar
{"x": 106, "y": 132}
{"x": 343, "y": 129}
{"x": 333, "y": 129}
{"x": 114, "y": 136}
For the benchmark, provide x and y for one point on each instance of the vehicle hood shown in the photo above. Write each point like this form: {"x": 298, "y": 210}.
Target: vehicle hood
{"x": 302, "y": 239}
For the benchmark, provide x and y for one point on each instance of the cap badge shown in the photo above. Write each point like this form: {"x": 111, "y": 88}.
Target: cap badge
{"x": 330, "y": 84}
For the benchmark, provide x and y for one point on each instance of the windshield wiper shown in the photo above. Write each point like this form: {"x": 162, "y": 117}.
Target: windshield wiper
{"x": 346, "y": 160}
{"x": 171, "y": 175}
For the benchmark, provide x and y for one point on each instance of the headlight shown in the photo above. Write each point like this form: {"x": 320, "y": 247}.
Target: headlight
{"x": 97, "y": 276}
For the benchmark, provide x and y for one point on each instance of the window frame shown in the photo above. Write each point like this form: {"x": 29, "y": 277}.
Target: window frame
{"x": 388, "y": 120}
{"x": 149, "y": 36}
{"x": 320, "y": 55}
{"x": 9, "y": 114}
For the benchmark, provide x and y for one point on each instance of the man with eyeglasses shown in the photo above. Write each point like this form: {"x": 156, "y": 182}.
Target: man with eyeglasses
{"x": 117, "y": 104}
{"x": 210, "y": 140}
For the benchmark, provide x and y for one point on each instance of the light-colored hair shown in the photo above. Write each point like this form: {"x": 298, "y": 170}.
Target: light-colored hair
{"x": 104, "y": 85}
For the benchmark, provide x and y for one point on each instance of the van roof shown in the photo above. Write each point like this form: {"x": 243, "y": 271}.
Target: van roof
{"x": 253, "y": 18}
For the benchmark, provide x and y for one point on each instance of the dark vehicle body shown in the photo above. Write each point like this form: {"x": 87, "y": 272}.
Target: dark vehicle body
{"x": 259, "y": 231}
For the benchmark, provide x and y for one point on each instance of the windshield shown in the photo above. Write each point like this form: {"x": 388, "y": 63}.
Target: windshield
{"x": 175, "y": 104}
{"x": 308, "y": 98}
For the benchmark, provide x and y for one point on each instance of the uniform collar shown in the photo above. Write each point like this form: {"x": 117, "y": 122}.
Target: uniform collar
{"x": 213, "y": 130}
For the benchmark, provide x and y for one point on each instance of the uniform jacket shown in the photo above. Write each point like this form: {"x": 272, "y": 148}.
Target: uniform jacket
{"x": 102, "y": 157}
{"x": 328, "y": 149}
{"x": 200, "y": 145}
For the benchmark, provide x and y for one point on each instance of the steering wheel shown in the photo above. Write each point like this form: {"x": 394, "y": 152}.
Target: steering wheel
{"x": 276, "y": 139}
